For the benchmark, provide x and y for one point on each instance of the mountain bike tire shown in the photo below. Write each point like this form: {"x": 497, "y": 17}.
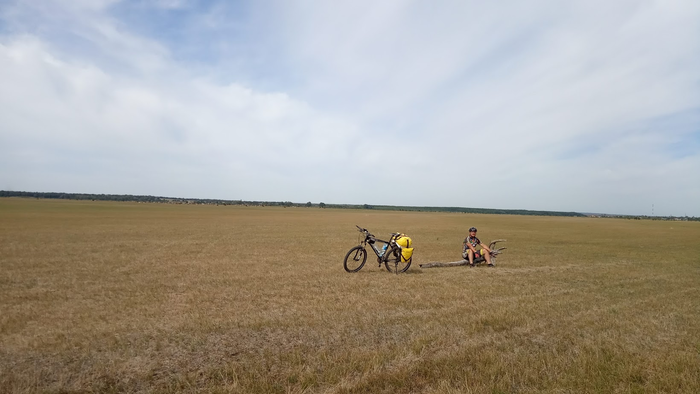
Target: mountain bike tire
{"x": 394, "y": 264}
{"x": 355, "y": 259}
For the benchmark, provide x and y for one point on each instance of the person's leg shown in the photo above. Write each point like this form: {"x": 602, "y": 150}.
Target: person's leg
{"x": 471, "y": 257}
{"x": 487, "y": 256}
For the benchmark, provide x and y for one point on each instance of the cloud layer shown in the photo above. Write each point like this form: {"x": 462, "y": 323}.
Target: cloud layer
{"x": 584, "y": 106}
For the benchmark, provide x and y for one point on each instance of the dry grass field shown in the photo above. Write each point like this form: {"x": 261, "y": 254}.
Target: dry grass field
{"x": 125, "y": 297}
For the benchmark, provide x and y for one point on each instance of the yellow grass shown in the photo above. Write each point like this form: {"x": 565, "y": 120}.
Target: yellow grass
{"x": 126, "y": 297}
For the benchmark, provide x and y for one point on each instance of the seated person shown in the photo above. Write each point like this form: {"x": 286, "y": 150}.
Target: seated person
{"x": 474, "y": 249}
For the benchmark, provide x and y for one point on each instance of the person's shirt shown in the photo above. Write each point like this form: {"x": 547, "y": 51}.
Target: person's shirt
{"x": 473, "y": 241}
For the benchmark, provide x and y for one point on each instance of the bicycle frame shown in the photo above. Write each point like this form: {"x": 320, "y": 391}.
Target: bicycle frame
{"x": 380, "y": 253}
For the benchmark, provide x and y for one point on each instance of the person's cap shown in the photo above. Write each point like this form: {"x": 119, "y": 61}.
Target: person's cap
{"x": 472, "y": 229}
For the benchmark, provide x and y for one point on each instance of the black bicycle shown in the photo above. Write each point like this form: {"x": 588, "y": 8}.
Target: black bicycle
{"x": 389, "y": 254}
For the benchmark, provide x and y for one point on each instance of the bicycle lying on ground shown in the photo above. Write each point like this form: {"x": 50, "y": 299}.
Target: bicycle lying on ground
{"x": 390, "y": 254}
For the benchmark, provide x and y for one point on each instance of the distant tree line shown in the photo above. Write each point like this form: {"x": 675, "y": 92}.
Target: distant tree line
{"x": 289, "y": 204}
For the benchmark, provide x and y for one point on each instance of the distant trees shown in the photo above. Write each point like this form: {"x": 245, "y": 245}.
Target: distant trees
{"x": 285, "y": 204}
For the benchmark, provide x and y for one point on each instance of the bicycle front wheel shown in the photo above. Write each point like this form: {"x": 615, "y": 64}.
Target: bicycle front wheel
{"x": 355, "y": 259}
{"x": 393, "y": 262}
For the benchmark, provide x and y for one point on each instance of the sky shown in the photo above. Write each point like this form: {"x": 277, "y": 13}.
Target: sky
{"x": 586, "y": 106}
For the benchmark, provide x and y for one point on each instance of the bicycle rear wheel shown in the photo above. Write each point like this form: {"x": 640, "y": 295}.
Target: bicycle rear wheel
{"x": 355, "y": 259}
{"x": 393, "y": 261}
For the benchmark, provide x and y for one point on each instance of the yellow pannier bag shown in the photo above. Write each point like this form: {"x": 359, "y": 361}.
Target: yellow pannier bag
{"x": 406, "y": 254}
{"x": 406, "y": 245}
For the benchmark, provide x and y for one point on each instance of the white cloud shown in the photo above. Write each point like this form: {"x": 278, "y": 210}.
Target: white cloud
{"x": 57, "y": 113}
{"x": 511, "y": 89}
{"x": 561, "y": 106}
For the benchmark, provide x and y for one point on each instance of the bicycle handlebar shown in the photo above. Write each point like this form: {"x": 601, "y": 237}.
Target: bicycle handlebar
{"x": 365, "y": 231}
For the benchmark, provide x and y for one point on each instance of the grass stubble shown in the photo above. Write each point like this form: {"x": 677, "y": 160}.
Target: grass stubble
{"x": 126, "y": 297}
